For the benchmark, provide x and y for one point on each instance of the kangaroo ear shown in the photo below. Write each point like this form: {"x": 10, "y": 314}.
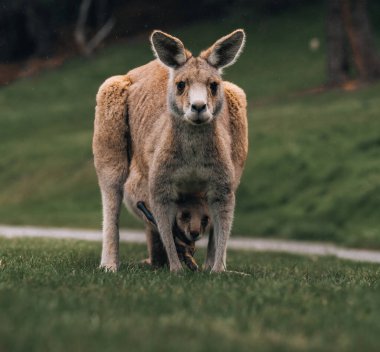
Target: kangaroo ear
{"x": 226, "y": 50}
{"x": 168, "y": 49}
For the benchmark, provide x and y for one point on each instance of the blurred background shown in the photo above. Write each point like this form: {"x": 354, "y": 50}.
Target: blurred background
{"x": 310, "y": 70}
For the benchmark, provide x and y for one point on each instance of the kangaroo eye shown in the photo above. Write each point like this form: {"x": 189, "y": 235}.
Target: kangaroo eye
{"x": 205, "y": 221}
{"x": 186, "y": 216}
{"x": 181, "y": 86}
{"x": 214, "y": 87}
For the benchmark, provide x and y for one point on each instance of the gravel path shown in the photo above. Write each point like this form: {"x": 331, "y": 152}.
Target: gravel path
{"x": 239, "y": 243}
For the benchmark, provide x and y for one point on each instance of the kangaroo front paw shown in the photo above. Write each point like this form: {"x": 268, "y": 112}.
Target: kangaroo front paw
{"x": 191, "y": 264}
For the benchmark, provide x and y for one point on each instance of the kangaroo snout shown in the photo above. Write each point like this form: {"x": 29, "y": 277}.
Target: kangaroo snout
{"x": 199, "y": 117}
{"x": 199, "y": 113}
{"x": 198, "y": 107}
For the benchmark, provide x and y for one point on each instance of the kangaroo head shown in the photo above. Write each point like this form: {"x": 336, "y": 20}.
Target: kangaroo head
{"x": 192, "y": 218}
{"x": 194, "y": 93}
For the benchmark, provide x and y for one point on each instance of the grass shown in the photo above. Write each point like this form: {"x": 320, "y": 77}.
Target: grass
{"x": 312, "y": 172}
{"x": 53, "y": 297}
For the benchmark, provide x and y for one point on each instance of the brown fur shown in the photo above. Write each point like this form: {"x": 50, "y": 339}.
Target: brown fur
{"x": 139, "y": 144}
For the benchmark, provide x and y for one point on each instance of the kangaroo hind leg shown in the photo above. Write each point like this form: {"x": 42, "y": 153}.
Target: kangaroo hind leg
{"x": 111, "y": 148}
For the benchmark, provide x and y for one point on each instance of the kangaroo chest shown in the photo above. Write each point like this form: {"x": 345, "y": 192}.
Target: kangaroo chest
{"x": 195, "y": 164}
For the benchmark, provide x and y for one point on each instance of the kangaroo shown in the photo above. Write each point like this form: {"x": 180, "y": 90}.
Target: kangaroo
{"x": 176, "y": 123}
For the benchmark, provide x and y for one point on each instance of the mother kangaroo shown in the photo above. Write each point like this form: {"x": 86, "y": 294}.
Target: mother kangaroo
{"x": 183, "y": 130}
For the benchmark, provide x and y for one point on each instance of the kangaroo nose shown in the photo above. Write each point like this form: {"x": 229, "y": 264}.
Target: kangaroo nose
{"x": 198, "y": 107}
{"x": 194, "y": 234}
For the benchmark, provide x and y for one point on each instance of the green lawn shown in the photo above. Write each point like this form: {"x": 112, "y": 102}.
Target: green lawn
{"x": 53, "y": 298}
{"x": 313, "y": 169}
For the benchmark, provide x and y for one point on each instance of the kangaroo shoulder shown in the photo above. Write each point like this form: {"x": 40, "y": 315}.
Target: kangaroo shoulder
{"x": 110, "y": 127}
{"x": 237, "y": 107}
{"x": 113, "y": 90}
{"x": 235, "y": 96}
{"x": 238, "y": 125}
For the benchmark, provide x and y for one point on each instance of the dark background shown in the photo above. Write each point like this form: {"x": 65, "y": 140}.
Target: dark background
{"x": 48, "y": 28}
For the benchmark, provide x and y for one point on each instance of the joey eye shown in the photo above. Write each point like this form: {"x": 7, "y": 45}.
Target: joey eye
{"x": 186, "y": 216}
{"x": 205, "y": 221}
{"x": 181, "y": 87}
{"x": 214, "y": 87}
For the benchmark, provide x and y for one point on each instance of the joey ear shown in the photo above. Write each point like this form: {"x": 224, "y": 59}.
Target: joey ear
{"x": 226, "y": 50}
{"x": 168, "y": 49}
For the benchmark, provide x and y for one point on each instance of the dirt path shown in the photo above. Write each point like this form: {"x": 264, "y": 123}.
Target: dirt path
{"x": 238, "y": 243}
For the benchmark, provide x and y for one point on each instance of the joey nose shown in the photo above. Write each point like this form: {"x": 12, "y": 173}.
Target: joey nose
{"x": 194, "y": 235}
{"x": 198, "y": 107}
